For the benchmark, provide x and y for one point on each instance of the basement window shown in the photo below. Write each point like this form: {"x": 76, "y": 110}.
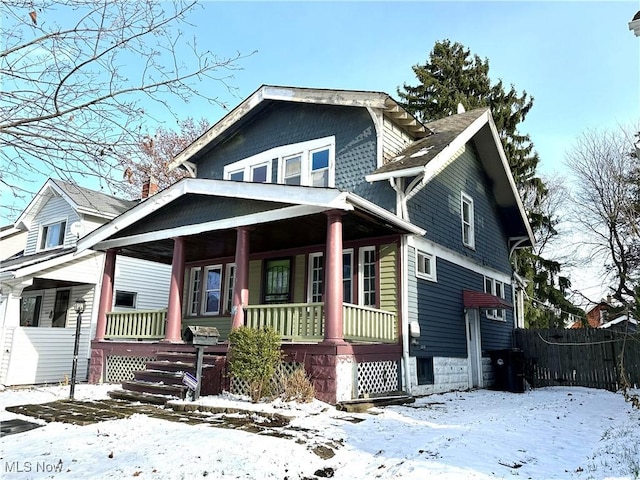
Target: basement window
{"x": 424, "y": 367}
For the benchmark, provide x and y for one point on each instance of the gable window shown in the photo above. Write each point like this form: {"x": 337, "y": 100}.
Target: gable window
{"x": 211, "y": 294}
{"x": 293, "y": 170}
{"x": 367, "y": 273}
{"x": 425, "y": 265}
{"x": 466, "y": 215}
{"x": 320, "y": 168}
{"x": 494, "y": 287}
{"x": 194, "y": 290}
{"x": 125, "y": 299}
{"x": 52, "y": 235}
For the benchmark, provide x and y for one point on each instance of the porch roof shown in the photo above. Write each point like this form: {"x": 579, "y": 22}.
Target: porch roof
{"x": 473, "y": 299}
{"x": 206, "y": 212}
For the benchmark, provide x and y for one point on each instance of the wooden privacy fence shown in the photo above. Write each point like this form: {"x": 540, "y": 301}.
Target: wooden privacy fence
{"x": 584, "y": 357}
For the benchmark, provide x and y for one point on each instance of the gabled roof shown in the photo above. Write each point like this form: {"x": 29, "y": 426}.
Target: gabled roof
{"x": 251, "y": 204}
{"x": 427, "y": 157}
{"x": 271, "y": 93}
{"x": 82, "y": 200}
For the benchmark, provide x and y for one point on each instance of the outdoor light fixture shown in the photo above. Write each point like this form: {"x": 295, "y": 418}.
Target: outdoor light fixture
{"x": 78, "y": 306}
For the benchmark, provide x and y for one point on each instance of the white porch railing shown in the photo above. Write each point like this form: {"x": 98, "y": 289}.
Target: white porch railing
{"x": 136, "y": 324}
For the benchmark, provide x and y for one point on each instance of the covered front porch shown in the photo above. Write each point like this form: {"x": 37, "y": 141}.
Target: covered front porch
{"x": 320, "y": 266}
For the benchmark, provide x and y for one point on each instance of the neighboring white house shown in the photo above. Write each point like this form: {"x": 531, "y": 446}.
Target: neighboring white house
{"x": 41, "y": 278}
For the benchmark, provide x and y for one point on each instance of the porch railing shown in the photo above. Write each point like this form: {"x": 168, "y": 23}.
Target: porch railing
{"x": 299, "y": 322}
{"x": 138, "y": 324}
{"x": 305, "y": 322}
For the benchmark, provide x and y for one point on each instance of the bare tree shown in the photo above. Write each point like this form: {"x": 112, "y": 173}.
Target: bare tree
{"x": 606, "y": 202}
{"x": 83, "y": 79}
{"x": 156, "y": 152}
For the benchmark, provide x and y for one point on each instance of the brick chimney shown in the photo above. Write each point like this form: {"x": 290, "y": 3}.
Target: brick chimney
{"x": 149, "y": 188}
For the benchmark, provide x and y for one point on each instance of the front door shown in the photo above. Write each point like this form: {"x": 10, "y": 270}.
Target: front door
{"x": 474, "y": 350}
{"x": 60, "y": 309}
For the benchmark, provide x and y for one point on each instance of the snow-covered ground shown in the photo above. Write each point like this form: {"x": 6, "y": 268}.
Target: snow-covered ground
{"x": 572, "y": 433}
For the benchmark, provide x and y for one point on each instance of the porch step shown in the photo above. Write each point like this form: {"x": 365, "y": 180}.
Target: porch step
{"x": 364, "y": 404}
{"x": 155, "y": 388}
{"x": 169, "y": 366}
{"x": 186, "y": 357}
{"x": 139, "y": 397}
{"x": 158, "y": 376}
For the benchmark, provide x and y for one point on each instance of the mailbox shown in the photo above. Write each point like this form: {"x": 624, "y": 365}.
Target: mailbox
{"x": 201, "y": 336}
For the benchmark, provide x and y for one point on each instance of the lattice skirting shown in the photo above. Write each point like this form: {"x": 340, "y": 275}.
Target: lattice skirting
{"x": 241, "y": 387}
{"x": 378, "y": 377}
{"x": 120, "y": 368}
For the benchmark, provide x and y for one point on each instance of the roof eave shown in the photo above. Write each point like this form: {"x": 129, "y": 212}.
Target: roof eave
{"x": 352, "y": 98}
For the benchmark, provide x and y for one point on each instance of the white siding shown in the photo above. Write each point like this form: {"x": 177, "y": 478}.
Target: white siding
{"x": 149, "y": 280}
{"x": 12, "y": 244}
{"x": 87, "y": 269}
{"x": 56, "y": 208}
{"x": 6, "y": 335}
{"x": 395, "y": 139}
{"x": 45, "y": 355}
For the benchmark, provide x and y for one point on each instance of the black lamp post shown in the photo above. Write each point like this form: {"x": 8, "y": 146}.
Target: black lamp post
{"x": 79, "y": 308}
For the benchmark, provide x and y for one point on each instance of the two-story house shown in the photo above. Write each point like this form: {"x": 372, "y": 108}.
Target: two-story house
{"x": 377, "y": 246}
{"x": 43, "y": 277}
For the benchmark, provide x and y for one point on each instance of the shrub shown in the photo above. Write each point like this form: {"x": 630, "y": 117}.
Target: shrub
{"x": 253, "y": 357}
{"x": 297, "y": 387}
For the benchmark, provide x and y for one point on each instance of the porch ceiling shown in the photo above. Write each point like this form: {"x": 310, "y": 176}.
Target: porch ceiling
{"x": 279, "y": 235}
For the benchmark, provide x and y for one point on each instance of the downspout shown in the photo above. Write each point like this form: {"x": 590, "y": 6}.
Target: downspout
{"x": 404, "y": 314}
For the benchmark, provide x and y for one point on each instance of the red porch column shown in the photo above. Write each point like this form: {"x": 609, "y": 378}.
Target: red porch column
{"x": 106, "y": 293}
{"x": 333, "y": 280}
{"x": 241, "y": 283}
{"x": 173, "y": 332}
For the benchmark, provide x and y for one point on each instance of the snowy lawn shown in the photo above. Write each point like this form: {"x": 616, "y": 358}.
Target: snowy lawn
{"x": 572, "y": 433}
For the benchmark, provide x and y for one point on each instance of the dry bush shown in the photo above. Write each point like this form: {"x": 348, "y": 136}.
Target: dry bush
{"x": 296, "y": 387}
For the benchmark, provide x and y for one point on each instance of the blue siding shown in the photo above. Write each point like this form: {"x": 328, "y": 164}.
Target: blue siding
{"x": 285, "y": 123}
{"x": 438, "y": 308}
{"x": 437, "y": 209}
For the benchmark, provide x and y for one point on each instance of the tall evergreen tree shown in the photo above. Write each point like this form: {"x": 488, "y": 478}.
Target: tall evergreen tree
{"x": 452, "y": 75}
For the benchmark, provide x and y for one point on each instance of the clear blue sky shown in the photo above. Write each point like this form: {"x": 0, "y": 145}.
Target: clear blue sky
{"x": 578, "y": 60}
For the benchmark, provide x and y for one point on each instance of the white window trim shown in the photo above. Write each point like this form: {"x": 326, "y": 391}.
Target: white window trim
{"x": 248, "y": 165}
{"x": 278, "y": 153}
{"x": 228, "y": 287}
{"x": 361, "y": 252}
{"x": 350, "y": 252}
{"x": 310, "y": 274}
{"x": 432, "y": 262}
{"x": 190, "y": 311}
{"x": 495, "y": 313}
{"x": 115, "y": 299}
{"x": 39, "y": 248}
{"x": 203, "y": 296}
{"x": 464, "y": 198}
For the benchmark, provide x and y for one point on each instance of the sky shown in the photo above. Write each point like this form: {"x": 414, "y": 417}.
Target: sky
{"x": 578, "y": 60}
{"x": 568, "y": 433}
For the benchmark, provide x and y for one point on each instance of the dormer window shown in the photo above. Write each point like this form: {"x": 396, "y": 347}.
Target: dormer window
{"x": 310, "y": 163}
{"x": 52, "y": 235}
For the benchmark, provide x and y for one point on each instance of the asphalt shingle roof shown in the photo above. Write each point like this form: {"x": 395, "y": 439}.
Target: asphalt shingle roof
{"x": 422, "y": 151}
{"x": 108, "y": 205}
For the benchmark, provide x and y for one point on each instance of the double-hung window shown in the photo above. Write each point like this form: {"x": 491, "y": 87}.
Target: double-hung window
{"x": 368, "y": 276}
{"x": 249, "y": 170}
{"x": 467, "y": 217}
{"x": 212, "y": 294}
{"x": 52, "y": 235}
{"x": 425, "y": 265}
{"x": 195, "y": 279}
{"x": 494, "y": 287}
{"x": 316, "y": 276}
